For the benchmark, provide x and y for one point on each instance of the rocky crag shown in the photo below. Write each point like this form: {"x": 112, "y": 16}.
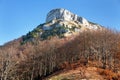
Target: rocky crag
{"x": 63, "y": 23}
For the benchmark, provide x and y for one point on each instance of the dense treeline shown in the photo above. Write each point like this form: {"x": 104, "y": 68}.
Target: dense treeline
{"x": 36, "y": 60}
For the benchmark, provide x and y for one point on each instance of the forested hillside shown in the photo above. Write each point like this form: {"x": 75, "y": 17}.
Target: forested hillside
{"x": 38, "y": 59}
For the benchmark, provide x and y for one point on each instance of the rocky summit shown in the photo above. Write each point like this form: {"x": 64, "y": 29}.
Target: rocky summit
{"x": 63, "y": 23}
{"x": 64, "y": 14}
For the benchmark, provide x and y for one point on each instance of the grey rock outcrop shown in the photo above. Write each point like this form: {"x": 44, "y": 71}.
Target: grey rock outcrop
{"x": 64, "y": 14}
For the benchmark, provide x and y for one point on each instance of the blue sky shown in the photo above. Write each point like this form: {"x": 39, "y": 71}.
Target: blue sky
{"x": 17, "y": 17}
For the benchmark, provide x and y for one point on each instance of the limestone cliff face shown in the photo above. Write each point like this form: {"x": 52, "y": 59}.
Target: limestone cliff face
{"x": 62, "y": 17}
{"x": 66, "y": 23}
{"x": 64, "y": 14}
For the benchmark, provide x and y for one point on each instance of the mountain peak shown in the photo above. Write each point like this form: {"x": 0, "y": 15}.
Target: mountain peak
{"x": 63, "y": 23}
{"x": 66, "y": 15}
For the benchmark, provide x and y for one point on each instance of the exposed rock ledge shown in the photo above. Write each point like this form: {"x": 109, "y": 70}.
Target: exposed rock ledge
{"x": 64, "y": 14}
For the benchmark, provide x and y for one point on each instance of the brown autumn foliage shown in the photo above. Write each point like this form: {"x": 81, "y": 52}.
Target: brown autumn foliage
{"x": 38, "y": 59}
{"x": 108, "y": 74}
